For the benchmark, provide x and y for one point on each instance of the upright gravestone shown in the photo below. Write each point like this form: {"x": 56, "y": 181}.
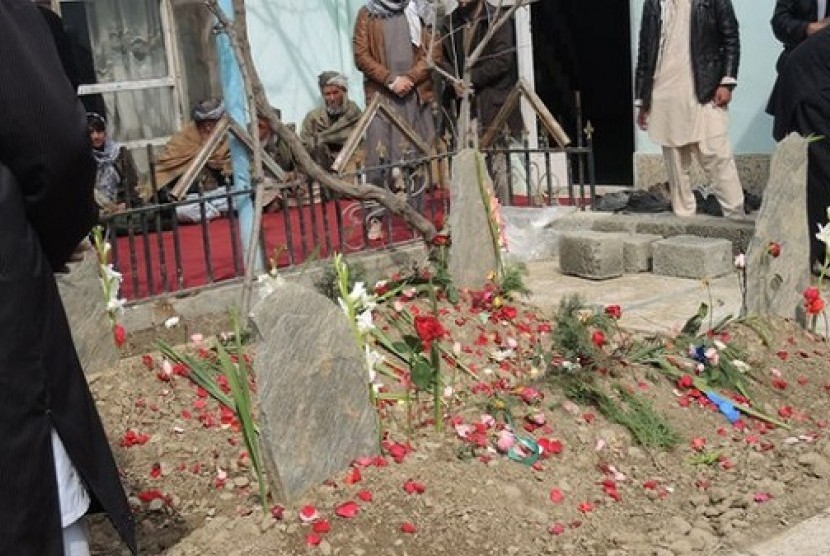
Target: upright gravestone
{"x": 315, "y": 415}
{"x": 473, "y": 254}
{"x": 83, "y": 301}
{"x": 775, "y": 284}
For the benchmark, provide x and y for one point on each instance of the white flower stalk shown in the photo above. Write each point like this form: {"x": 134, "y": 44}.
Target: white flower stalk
{"x": 823, "y": 234}
{"x": 364, "y": 321}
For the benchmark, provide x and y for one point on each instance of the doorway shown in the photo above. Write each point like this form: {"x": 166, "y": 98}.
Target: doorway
{"x": 585, "y": 46}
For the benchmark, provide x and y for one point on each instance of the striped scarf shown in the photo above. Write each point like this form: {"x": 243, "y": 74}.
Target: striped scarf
{"x": 386, "y": 8}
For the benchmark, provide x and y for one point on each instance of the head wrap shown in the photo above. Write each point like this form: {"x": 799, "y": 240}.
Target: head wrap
{"x": 96, "y": 121}
{"x": 208, "y": 110}
{"x": 386, "y": 8}
{"x": 333, "y": 78}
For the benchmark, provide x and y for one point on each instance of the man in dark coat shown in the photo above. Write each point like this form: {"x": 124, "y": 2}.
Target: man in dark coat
{"x": 495, "y": 73}
{"x": 803, "y": 106}
{"x": 46, "y": 209}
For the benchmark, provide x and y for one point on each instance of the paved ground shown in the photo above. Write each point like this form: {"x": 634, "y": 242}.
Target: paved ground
{"x": 653, "y": 303}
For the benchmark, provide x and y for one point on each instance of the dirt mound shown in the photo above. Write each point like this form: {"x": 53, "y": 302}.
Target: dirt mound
{"x": 593, "y": 490}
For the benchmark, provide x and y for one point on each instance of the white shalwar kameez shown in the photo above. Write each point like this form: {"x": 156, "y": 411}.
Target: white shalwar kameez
{"x": 684, "y": 127}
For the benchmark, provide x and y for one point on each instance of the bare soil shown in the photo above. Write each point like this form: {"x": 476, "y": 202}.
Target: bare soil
{"x": 193, "y": 492}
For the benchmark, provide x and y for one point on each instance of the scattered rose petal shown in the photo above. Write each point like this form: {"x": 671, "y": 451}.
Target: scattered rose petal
{"x": 321, "y": 527}
{"x": 557, "y": 529}
{"x": 313, "y": 539}
{"x": 347, "y": 509}
{"x": 585, "y": 507}
{"x": 762, "y": 497}
{"x": 414, "y": 487}
{"x": 277, "y": 512}
{"x": 308, "y": 514}
{"x": 365, "y": 495}
{"x": 408, "y": 527}
{"x": 556, "y": 496}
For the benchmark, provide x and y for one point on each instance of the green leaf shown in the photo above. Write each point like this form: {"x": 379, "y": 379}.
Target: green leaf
{"x": 423, "y": 375}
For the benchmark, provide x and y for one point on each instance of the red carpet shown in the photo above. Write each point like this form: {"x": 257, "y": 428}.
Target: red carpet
{"x": 212, "y": 252}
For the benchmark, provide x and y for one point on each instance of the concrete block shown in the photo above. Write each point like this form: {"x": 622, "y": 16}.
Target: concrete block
{"x": 581, "y": 220}
{"x": 594, "y": 255}
{"x": 663, "y": 224}
{"x": 616, "y": 223}
{"x": 688, "y": 256}
{"x": 739, "y": 232}
{"x": 638, "y": 252}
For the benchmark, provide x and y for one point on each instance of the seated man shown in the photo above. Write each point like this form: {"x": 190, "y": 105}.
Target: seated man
{"x": 327, "y": 127}
{"x": 116, "y": 177}
{"x": 183, "y": 147}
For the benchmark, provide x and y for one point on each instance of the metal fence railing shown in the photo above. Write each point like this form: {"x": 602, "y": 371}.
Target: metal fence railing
{"x": 159, "y": 255}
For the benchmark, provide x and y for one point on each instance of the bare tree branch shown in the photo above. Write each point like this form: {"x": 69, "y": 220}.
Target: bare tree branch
{"x": 237, "y": 34}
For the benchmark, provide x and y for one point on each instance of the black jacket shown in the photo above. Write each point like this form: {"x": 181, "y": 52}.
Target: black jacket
{"x": 496, "y": 72}
{"x": 46, "y": 208}
{"x": 715, "y": 47}
{"x": 789, "y": 24}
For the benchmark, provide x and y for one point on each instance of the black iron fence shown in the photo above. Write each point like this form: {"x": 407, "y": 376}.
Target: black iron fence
{"x": 158, "y": 254}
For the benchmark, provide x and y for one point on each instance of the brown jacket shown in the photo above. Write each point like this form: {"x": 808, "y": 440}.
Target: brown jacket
{"x": 370, "y": 58}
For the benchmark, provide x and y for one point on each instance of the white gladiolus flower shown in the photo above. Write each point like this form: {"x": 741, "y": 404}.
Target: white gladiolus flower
{"x": 720, "y": 345}
{"x": 823, "y": 234}
{"x": 740, "y": 261}
{"x": 171, "y": 322}
{"x": 742, "y": 366}
{"x": 116, "y": 305}
{"x": 111, "y": 273}
{"x": 364, "y": 321}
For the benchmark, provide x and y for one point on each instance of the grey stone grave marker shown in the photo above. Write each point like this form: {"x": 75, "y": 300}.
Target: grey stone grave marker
{"x": 315, "y": 415}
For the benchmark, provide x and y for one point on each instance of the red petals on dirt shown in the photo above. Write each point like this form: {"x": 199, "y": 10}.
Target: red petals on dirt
{"x": 762, "y": 497}
{"x": 321, "y": 527}
{"x": 277, "y": 512}
{"x": 365, "y": 495}
{"x": 685, "y": 382}
{"x": 150, "y": 495}
{"x": 397, "y": 450}
{"x": 132, "y": 438}
{"x": 556, "y": 496}
{"x": 585, "y": 507}
{"x": 556, "y": 529}
{"x": 313, "y": 540}
{"x": 408, "y": 527}
{"x": 550, "y": 447}
{"x": 309, "y": 514}
{"x": 613, "y": 311}
{"x": 609, "y": 486}
{"x": 347, "y": 509}
{"x": 119, "y": 335}
{"x": 779, "y": 383}
{"x": 353, "y": 477}
{"x": 785, "y": 412}
{"x": 414, "y": 487}
{"x": 698, "y": 443}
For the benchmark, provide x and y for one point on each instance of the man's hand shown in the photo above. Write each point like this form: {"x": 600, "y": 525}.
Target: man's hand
{"x": 723, "y": 96}
{"x": 402, "y": 85}
{"x": 642, "y": 118}
{"x": 816, "y": 26}
{"x": 461, "y": 89}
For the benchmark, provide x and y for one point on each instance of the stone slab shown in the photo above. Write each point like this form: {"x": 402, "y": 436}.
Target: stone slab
{"x": 315, "y": 415}
{"x": 594, "y": 255}
{"x": 616, "y": 223}
{"x": 638, "y": 252}
{"x": 688, "y": 256}
{"x": 775, "y": 285}
{"x": 664, "y": 224}
{"x": 808, "y": 538}
{"x": 473, "y": 255}
{"x": 83, "y": 301}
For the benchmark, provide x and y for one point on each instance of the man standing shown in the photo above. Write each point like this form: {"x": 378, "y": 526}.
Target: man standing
{"x": 327, "y": 128}
{"x": 803, "y": 105}
{"x": 687, "y": 66}
{"x": 55, "y": 461}
{"x": 795, "y": 20}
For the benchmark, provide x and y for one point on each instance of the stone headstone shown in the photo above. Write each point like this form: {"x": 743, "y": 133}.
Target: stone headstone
{"x": 472, "y": 255}
{"x": 312, "y": 381}
{"x": 83, "y": 301}
{"x": 775, "y": 285}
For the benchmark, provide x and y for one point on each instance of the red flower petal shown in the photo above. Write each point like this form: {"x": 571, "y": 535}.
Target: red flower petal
{"x": 313, "y": 540}
{"x": 556, "y": 496}
{"x": 365, "y": 495}
{"x": 347, "y": 509}
{"x": 321, "y": 527}
{"x": 277, "y": 512}
{"x": 308, "y": 514}
{"x": 414, "y": 487}
{"x": 585, "y": 507}
{"x": 408, "y": 527}
{"x": 557, "y": 529}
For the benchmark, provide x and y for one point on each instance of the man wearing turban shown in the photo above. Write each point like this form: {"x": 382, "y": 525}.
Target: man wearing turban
{"x": 326, "y": 128}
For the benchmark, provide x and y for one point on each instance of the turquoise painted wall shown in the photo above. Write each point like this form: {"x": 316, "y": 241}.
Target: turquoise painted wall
{"x": 750, "y": 127}
{"x": 292, "y": 41}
